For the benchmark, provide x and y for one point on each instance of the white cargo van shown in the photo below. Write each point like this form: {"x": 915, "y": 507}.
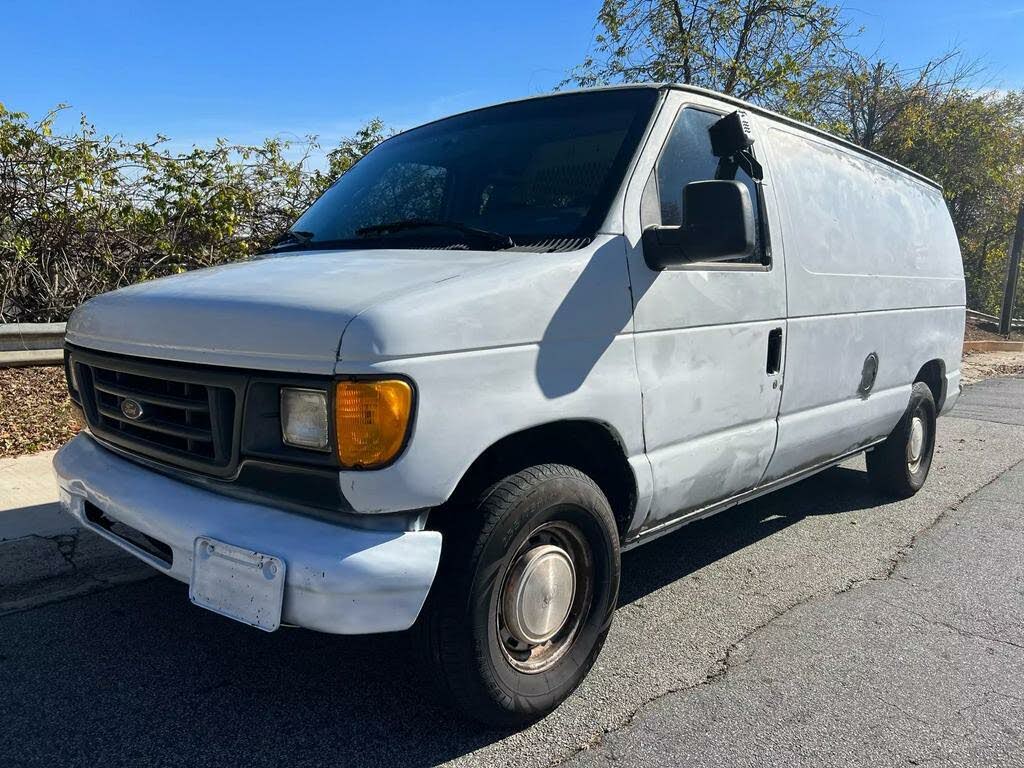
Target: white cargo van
{"x": 505, "y": 347}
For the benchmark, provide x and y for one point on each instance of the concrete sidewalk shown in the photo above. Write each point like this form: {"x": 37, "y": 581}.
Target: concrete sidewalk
{"x": 28, "y": 498}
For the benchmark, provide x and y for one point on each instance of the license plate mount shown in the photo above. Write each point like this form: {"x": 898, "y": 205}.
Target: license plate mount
{"x": 239, "y": 583}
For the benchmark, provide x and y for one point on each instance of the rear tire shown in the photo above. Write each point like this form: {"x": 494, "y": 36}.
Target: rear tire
{"x": 524, "y": 596}
{"x": 899, "y": 466}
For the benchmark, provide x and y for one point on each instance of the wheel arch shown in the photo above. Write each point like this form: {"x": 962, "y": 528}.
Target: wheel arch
{"x": 933, "y": 373}
{"x": 593, "y": 447}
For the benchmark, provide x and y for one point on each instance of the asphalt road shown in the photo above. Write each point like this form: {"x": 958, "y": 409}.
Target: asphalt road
{"x": 817, "y": 626}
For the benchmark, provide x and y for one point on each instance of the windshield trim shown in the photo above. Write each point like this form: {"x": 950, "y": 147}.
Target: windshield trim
{"x": 528, "y": 244}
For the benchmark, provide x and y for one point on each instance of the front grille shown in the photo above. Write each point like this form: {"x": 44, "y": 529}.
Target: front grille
{"x": 175, "y": 414}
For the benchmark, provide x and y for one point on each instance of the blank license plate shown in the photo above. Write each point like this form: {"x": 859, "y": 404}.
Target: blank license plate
{"x": 238, "y": 583}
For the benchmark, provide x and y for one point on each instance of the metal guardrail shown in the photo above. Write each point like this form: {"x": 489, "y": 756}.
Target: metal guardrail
{"x": 29, "y": 344}
{"x": 1016, "y": 322}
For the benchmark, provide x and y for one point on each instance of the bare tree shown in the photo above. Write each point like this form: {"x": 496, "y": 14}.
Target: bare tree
{"x": 874, "y": 94}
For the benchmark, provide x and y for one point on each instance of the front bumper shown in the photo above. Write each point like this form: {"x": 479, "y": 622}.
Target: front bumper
{"x": 339, "y": 579}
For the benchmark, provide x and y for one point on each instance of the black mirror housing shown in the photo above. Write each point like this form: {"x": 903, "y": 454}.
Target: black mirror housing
{"x": 718, "y": 225}
{"x": 730, "y": 135}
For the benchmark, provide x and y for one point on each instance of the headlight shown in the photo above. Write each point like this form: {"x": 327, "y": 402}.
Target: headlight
{"x": 371, "y": 420}
{"x": 304, "y": 418}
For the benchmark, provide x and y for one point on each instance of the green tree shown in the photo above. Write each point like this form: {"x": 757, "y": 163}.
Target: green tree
{"x": 973, "y": 144}
{"x": 784, "y": 54}
{"x": 795, "y": 56}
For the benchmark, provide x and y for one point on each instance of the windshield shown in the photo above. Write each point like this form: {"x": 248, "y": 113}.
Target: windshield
{"x": 537, "y": 174}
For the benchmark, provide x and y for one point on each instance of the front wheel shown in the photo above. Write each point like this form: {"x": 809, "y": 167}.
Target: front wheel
{"x": 524, "y": 596}
{"x": 900, "y": 465}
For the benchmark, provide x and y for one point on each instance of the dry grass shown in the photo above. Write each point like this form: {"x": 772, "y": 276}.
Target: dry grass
{"x": 982, "y": 330}
{"x": 35, "y": 412}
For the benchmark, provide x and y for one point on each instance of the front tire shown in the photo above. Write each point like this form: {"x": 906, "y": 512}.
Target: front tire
{"x": 524, "y": 596}
{"x": 900, "y": 465}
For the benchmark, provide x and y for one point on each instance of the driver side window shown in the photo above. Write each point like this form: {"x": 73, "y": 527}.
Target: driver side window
{"x": 687, "y": 157}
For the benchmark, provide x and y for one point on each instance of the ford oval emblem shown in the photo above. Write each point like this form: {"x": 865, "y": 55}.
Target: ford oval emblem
{"x": 132, "y": 409}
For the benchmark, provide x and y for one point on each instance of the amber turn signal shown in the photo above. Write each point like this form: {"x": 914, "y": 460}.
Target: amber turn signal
{"x": 371, "y": 420}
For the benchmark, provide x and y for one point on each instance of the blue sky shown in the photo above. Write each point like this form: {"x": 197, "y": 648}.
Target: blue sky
{"x": 245, "y": 70}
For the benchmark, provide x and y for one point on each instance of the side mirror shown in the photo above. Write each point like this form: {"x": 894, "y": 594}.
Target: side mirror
{"x": 718, "y": 225}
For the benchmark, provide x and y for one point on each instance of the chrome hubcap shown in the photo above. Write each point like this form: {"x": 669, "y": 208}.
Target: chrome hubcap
{"x": 545, "y": 597}
{"x": 915, "y": 448}
{"x": 539, "y": 594}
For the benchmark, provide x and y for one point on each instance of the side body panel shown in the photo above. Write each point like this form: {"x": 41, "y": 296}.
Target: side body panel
{"x": 544, "y": 338}
{"x": 709, "y": 404}
{"x": 873, "y": 266}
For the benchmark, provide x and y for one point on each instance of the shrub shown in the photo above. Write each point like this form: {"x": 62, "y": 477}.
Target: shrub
{"x": 81, "y": 214}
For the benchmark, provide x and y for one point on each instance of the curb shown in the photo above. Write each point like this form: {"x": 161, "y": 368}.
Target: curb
{"x": 992, "y": 345}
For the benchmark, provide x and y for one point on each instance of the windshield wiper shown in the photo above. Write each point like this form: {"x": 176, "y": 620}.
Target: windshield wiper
{"x": 495, "y": 239}
{"x": 291, "y": 237}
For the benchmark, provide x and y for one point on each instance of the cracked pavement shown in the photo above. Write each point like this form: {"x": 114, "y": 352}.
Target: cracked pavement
{"x": 36, "y": 570}
{"x": 923, "y": 666}
{"x": 820, "y": 625}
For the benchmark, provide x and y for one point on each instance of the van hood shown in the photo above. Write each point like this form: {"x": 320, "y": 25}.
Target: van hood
{"x": 283, "y": 313}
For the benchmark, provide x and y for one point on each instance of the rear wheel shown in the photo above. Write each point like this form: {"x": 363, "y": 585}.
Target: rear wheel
{"x": 900, "y": 465}
{"x": 524, "y": 595}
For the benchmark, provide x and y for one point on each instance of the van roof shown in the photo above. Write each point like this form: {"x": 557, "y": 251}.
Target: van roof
{"x": 737, "y": 103}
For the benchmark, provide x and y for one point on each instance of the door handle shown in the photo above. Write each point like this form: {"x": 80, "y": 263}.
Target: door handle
{"x": 774, "y": 352}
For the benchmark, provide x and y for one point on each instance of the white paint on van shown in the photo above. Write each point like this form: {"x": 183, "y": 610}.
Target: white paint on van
{"x": 864, "y": 260}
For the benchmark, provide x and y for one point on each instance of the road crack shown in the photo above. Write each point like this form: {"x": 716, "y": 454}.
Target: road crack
{"x": 953, "y": 627}
{"x": 724, "y": 663}
{"x": 67, "y": 544}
